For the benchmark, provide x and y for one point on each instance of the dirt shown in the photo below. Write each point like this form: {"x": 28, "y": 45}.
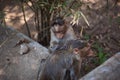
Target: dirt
{"x": 104, "y": 24}
{"x": 104, "y": 29}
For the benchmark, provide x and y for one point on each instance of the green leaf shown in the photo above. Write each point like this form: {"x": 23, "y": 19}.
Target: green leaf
{"x": 86, "y": 37}
{"x": 51, "y": 9}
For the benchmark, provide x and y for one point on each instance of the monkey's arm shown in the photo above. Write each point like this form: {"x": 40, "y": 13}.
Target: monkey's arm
{"x": 53, "y": 42}
{"x": 70, "y": 34}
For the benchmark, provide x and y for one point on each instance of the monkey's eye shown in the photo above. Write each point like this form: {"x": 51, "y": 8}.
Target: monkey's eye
{"x": 76, "y": 50}
{"x": 61, "y": 32}
{"x": 58, "y": 23}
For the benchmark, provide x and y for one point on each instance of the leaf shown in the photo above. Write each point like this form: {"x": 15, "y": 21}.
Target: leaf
{"x": 51, "y": 9}
{"x": 84, "y": 18}
{"x": 86, "y": 37}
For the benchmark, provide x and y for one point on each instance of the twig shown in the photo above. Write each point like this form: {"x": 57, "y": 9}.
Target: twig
{"x": 25, "y": 20}
{"x": 30, "y": 6}
{"x": 3, "y": 43}
{"x": 85, "y": 18}
{"x": 81, "y": 32}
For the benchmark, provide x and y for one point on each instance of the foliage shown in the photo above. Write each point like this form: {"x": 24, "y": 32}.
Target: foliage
{"x": 86, "y": 37}
{"x": 46, "y": 10}
{"x": 100, "y": 54}
{"x": 76, "y": 16}
{"x": 2, "y": 15}
{"x": 118, "y": 19}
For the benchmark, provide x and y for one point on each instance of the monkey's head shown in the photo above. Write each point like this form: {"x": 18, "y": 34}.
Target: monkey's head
{"x": 80, "y": 47}
{"x": 76, "y": 45}
{"x": 59, "y": 27}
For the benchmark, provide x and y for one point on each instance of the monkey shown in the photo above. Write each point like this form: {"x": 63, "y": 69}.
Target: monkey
{"x": 71, "y": 43}
{"x": 61, "y": 32}
{"x": 64, "y": 63}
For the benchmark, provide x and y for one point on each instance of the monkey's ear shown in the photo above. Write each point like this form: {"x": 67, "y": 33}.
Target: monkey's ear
{"x": 75, "y": 50}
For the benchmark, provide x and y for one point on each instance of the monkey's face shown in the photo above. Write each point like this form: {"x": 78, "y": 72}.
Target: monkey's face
{"x": 59, "y": 31}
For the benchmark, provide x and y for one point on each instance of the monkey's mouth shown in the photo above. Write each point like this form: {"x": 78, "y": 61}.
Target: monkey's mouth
{"x": 59, "y": 35}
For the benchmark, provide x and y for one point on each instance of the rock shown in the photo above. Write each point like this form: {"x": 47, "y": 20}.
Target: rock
{"x": 24, "y": 49}
{"x": 109, "y": 70}
{"x": 13, "y": 65}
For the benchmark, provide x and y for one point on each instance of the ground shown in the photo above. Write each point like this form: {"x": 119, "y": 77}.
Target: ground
{"x": 102, "y": 34}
